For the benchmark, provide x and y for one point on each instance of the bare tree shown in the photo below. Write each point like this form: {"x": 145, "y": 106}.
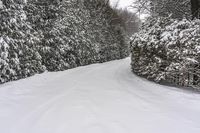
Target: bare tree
{"x": 175, "y": 8}
{"x": 141, "y": 7}
{"x": 130, "y": 20}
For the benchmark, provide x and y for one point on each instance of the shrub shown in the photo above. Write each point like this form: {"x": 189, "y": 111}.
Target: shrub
{"x": 168, "y": 50}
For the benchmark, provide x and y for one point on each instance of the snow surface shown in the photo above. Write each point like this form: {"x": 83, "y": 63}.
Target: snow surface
{"x": 100, "y": 98}
{"x": 1, "y": 4}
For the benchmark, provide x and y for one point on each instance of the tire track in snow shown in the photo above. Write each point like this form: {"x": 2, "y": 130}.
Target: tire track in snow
{"x": 35, "y": 115}
{"x": 101, "y": 98}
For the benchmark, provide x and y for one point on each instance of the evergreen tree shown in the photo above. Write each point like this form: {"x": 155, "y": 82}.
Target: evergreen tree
{"x": 57, "y": 35}
{"x": 19, "y": 57}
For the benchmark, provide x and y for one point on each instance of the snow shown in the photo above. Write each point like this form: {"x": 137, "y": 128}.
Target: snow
{"x": 122, "y": 3}
{"x": 100, "y": 98}
{"x": 1, "y": 4}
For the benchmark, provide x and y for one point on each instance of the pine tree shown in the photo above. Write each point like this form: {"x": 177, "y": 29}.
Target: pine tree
{"x": 57, "y": 35}
{"x": 20, "y": 57}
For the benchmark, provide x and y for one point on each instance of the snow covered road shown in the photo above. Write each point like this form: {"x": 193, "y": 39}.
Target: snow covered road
{"x": 100, "y": 98}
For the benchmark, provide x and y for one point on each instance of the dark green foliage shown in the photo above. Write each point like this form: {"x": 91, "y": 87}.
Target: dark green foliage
{"x": 195, "y": 8}
{"x": 167, "y": 50}
{"x": 54, "y": 35}
{"x": 19, "y": 56}
{"x": 177, "y": 8}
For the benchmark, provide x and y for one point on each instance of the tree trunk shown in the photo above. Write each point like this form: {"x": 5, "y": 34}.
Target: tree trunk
{"x": 195, "y": 8}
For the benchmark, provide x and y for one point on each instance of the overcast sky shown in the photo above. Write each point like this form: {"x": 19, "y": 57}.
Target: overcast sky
{"x": 123, "y": 3}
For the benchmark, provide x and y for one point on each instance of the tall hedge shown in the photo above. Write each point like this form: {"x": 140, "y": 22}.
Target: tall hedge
{"x": 57, "y": 35}
{"x": 168, "y": 51}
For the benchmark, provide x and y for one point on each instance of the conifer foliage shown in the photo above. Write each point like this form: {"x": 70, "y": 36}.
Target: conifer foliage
{"x": 168, "y": 50}
{"x": 55, "y": 35}
{"x": 18, "y": 54}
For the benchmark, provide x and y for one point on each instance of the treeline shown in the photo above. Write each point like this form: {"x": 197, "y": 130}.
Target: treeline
{"x": 54, "y": 35}
{"x": 178, "y": 9}
{"x": 167, "y": 48}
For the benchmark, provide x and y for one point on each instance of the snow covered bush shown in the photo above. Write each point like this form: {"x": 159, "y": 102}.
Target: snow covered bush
{"x": 18, "y": 55}
{"x": 57, "y": 35}
{"x": 168, "y": 50}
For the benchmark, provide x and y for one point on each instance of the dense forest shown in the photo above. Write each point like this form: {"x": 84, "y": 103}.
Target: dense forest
{"x": 54, "y": 35}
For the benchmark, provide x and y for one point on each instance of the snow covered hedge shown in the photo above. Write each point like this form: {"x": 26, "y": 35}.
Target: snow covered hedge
{"x": 51, "y": 35}
{"x": 168, "y": 50}
{"x": 18, "y": 54}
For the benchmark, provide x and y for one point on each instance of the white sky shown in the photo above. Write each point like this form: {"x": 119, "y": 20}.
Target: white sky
{"x": 125, "y": 4}
{"x": 122, "y": 3}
